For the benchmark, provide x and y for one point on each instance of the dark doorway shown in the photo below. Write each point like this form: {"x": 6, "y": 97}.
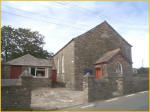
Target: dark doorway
{"x": 54, "y": 76}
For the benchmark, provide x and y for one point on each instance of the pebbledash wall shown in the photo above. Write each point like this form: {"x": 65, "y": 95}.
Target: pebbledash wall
{"x": 81, "y": 53}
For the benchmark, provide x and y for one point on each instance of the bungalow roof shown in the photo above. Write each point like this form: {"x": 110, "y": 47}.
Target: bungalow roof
{"x": 29, "y": 60}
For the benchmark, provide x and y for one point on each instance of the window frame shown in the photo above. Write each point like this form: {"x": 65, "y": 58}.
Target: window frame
{"x": 63, "y": 68}
{"x": 58, "y": 65}
{"x": 119, "y": 68}
{"x": 39, "y": 69}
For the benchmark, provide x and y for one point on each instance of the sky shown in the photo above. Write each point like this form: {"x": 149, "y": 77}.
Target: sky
{"x": 60, "y": 21}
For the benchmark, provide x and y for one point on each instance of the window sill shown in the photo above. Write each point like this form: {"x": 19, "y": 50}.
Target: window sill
{"x": 40, "y": 77}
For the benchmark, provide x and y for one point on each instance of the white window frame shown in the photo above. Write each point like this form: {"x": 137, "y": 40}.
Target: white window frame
{"x": 119, "y": 69}
{"x": 63, "y": 69}
{"x": 36, "y": 69}
{"x": 58, "y": 65}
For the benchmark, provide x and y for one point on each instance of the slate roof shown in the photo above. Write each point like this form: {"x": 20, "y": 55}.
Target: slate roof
{"x": 107, "y": 56}
{"x": 29, "y": 60}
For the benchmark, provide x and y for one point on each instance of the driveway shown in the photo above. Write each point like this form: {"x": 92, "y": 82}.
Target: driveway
{"x": 55, "y": 98}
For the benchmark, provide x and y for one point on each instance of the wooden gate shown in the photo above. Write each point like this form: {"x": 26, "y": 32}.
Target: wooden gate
{"x": 54, "y": 76}
{"x": 15, "y": 72}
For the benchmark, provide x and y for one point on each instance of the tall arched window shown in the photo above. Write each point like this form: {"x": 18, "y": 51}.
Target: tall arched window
{"x": 63, "y": 70}
{"x": 119, "y": 69}
{"x": 57, "y": 65}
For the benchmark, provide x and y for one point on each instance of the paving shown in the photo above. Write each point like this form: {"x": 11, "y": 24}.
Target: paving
{"x": 55, "y": 98}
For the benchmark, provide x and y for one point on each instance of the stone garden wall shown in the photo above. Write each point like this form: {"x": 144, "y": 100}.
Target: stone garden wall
{"x": 5, "y": 71}
{"x": 101, "y": 89}
{"x": 136, "y": 84}
{"x": 96, "y": 89}
{"x": 15, "y": 96}
{"x": 40, "y": 82}
{"x": 16, "y": 93}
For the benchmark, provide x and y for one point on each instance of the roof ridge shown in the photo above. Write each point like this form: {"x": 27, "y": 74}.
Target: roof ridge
{"x": 104, "y": 22}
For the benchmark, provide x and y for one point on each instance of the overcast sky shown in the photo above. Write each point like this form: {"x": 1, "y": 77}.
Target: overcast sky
{"x": 60, "y": 21}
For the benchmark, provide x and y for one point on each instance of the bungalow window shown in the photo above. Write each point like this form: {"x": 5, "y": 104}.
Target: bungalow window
{"x": 33, "y": 71}
{"x": 37, "y": 72}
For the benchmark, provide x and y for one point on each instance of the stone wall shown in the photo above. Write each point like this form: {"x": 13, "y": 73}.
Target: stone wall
{"x": 40, "y": 82}
{"x": 92, "y": 45}
{"x": 11, "y": 82}
{"x": 136, "y": 84}
{"x": 16, "y": 93}
{"x": 96, "y": 89}
{"x": 68, "y": 76}
{"x": 16, "y": 97}
{"x": 102, "y": 89}
{"x": 123, "y": 78}
{"x": 34, "y": 83}
{"x": 5, "y": 72}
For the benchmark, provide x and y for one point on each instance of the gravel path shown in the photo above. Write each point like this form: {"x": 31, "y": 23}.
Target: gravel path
{"x": 52, "y": 98}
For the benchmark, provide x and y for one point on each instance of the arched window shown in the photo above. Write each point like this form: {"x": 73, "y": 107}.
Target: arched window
{"x": 57, "y": 65}
{"x": 119, "y": 69}
{"x": 63, "y": 70}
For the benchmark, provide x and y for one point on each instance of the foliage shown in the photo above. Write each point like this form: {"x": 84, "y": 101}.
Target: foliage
{"x": 18, "y": 42}
{"x": 142, "y": 72}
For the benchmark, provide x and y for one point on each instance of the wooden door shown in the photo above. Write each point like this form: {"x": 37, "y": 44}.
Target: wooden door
{"x": 99, "y": 73}
{"x": 15, "y": 72}
{"x": 54, "y": 76}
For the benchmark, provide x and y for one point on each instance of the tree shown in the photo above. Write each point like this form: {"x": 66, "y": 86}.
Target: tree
{"x": 143, "y": 70}
{"x": 18, "y": 42}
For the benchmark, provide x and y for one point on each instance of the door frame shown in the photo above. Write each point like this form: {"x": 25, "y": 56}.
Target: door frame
{"x": 99, "y": 72}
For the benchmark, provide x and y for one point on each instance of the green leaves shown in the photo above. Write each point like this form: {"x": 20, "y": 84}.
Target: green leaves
{"x": 18, "y": 42}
